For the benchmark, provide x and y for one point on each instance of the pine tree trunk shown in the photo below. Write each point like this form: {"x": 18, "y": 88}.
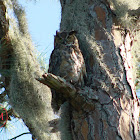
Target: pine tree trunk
{"x": 107, "y": 52}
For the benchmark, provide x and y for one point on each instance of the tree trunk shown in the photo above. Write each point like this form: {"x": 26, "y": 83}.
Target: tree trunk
{"x": 106, "y": 47}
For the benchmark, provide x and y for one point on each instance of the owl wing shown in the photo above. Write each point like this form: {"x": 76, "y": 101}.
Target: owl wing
{"x": 80, "y": 67}
{"x": 54, "y": 62}
{"x": 54, "y": 68}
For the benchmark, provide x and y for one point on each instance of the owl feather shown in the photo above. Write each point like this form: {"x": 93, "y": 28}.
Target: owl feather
{"x": 67, "y": 62}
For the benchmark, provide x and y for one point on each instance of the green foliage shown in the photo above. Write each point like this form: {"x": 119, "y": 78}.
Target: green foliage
{"x": 42, "y": 61}
{"x": 6, "y": 112}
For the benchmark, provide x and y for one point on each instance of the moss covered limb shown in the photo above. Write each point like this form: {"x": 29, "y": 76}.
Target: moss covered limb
{"x": 28, "y": 97}
{"x": 5, "y": 47}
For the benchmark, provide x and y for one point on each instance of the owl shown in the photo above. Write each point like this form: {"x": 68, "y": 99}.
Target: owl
{"x": 67, "y": 62}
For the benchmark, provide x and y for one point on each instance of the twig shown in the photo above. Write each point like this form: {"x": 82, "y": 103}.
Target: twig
{"x": 19, "y": 135}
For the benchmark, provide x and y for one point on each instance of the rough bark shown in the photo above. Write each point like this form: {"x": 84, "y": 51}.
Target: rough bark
{"x": 107, "y": 53}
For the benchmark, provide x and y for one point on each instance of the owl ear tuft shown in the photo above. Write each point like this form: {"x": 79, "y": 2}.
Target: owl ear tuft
{"x": 72, "y": 32}
{"x": 57, "y": 33}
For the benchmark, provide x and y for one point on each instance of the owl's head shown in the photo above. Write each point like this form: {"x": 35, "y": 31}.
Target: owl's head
{"x": 65, "y": 38}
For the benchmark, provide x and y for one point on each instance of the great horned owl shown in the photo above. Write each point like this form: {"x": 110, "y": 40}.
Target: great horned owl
{"x": 67, "y": 62}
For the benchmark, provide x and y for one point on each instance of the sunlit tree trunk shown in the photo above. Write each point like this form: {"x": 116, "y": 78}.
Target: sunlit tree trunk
{"x": 106, "y": 47}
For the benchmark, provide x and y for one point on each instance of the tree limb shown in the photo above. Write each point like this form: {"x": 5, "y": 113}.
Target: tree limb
{"x": 77, "y": 97}
{"x": 58, "y": 84}
{"x": 19, "y": 135}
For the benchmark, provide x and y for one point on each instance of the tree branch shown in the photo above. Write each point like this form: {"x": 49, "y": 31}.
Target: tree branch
{"x": 19, "y": 135}
{"x": 58, "y": 84}
{"x": 77, "y": 97}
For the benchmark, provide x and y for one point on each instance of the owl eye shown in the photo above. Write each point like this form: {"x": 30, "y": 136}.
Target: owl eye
{"x": 58, "y": 40}
{"x": 70, "y": 38}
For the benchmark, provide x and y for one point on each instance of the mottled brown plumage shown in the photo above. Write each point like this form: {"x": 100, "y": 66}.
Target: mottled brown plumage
{"x": 67, "y": 62}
